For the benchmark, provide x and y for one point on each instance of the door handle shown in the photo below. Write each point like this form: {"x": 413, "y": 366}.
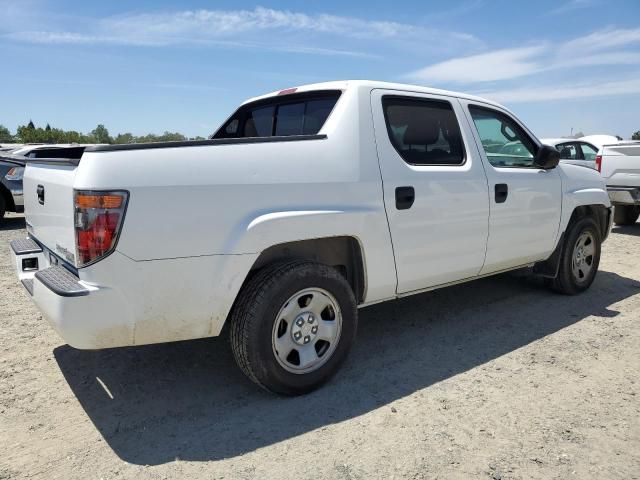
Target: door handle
{"x": 502, "y": 191}
{"x": 405, "y": 196}
{"x": 40, "y": 193}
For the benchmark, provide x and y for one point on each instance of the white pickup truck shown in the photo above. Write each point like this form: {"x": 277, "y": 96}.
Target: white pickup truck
{"x": 306, "y": 204}
{"x": 619, "y": 165}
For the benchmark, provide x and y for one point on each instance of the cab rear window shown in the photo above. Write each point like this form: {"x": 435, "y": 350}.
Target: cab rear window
{"x": 294, "y": 114}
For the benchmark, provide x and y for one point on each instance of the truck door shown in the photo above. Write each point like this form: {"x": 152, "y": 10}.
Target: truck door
{"x": 435, "y": 188}
{"x": 525, "y": 200}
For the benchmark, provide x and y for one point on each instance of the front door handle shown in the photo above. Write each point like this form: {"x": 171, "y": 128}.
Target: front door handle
{"x": 502, "y": 191}
{"x": 405, "y": 196}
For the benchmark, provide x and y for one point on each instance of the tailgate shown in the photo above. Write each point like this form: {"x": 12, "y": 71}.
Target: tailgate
{"x": 621, "y": 165}
{"x": 48, "y": 205}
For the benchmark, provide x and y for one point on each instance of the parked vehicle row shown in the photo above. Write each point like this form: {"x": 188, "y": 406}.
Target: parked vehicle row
{"x": 305, "y": 205}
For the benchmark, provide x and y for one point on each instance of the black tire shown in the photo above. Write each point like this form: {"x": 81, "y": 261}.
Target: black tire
{"x": 567, "y": 282}
{"x": 3, "y": 208}
{"x": 254, "y": 315}
{"x": 626, "y": 214}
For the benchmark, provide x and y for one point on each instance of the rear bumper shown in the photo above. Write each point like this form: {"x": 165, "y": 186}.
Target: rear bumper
{"x": 120, "y": 302}
{"x": 85, "y": 316}
{"x": 624, "y": 195}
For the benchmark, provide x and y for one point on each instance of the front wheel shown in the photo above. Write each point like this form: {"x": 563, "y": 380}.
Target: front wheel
{"x": 580, "y": 258}
{"x": 293, "y": 326}
{"x": 626, "y": 214}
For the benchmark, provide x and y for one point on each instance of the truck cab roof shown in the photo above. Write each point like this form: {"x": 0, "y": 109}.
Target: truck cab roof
{"x": 371, "y": 84}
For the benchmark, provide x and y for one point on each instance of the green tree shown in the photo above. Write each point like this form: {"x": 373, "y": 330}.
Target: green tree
{"x": 124, "y": 138}
{"x": 101, "y": 134}
{"x": 5, "y": 135}
{"x": 636, "y": 136}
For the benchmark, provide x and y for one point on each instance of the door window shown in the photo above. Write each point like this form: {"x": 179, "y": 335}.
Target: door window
{"x": 423, "y": 132}
{"x": 504, "y": 141}
{"x": 568, "y": 151}
{"x": 589, "y": 152}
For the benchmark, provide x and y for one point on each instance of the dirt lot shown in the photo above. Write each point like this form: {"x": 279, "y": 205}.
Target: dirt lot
{"x": 494, "y": 379}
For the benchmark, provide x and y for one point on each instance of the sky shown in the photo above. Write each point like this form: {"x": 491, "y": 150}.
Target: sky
{"x": 153, "y": 65}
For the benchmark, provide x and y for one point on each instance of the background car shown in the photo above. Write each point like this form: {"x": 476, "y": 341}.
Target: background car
{"x": 580, "y": 151}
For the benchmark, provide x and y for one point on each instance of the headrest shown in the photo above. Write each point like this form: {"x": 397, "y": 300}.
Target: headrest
{"x": 423, "y": 129}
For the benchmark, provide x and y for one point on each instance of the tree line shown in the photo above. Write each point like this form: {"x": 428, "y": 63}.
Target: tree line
{"x": 29, "y": 133}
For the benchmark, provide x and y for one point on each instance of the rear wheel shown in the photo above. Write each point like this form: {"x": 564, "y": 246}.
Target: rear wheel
{"x": 293, "y": 326}
{"x": 580, "y": 258}
{"x": 626, "y": 214}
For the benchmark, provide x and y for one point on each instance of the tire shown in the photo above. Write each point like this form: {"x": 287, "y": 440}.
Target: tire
{"x": 578, "y": 268}
{"x": 283, "y": 315}
{"x": 3, "y": 208}
{"x": 626, "y": 214}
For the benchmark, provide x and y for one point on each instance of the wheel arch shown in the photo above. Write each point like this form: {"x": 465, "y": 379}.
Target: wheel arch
{"x": 344, "y": 252}
{"x": 602, "y": 216}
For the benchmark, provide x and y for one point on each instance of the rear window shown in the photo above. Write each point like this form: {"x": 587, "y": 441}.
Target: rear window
{"x": 294, "y": 114}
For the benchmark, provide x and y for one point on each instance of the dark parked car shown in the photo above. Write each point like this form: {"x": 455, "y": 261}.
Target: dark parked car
{"x": 10, "y": 185}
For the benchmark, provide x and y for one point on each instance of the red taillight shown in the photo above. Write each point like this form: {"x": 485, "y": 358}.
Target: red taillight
{"x": 98, "y": 219}
{"x": 599, "y": 163}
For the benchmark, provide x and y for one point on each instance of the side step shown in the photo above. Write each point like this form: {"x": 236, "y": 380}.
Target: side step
{"x": 25, "y": 246}
{"x": 61, "y": 282}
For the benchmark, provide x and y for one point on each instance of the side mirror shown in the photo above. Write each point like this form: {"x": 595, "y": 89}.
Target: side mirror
{"x": 547, "y": 157}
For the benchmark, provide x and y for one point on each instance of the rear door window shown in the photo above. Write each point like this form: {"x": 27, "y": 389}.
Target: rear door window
{"x": 423, "y": 131}
{"x": 589, "y": 152}
{"x": 568, "y": 151}
{"x": 288, "y": 115}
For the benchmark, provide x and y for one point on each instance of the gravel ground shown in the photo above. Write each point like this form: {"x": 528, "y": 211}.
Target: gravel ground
{"x": 498, "y": 378}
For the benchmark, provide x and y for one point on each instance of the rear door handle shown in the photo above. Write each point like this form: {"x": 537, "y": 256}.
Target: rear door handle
{"x": 405, "y": 196}
{"x": 40, "y": 193}
{"x": 502, "y": 192}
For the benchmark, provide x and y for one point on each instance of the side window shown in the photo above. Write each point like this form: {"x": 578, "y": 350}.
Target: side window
{"x": 589, "y": 152}
{"x": 568, "y": 151}
{"x": 423, "y": 132}
{"x": 504, "y": 142}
